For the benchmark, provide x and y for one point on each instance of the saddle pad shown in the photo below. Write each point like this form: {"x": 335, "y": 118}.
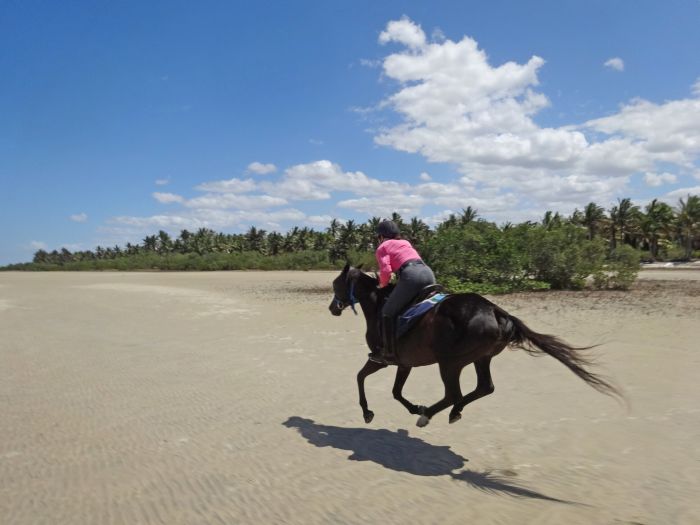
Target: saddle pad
{"x": 415, "y": 312}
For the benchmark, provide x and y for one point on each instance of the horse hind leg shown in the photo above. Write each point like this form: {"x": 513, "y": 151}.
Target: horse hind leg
{"x": 402, "y": 374}
{"x": 449, "y": 372}
{"x": 484, "y": 387}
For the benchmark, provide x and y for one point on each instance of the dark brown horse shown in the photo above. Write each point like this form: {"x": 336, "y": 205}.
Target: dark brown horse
{"x": 463, "y": 329}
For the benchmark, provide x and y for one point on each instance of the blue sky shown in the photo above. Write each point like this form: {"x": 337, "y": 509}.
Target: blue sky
{"x": 118, "y": 119}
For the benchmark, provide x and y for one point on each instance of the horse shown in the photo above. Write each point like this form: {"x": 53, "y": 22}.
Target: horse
{"x": 464, "y": 328}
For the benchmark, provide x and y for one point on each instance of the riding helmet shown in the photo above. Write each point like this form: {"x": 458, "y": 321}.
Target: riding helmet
{"x": 388, "y": 229}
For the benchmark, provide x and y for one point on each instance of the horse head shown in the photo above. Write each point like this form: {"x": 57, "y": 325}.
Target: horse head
{"x": 349, "y": 288}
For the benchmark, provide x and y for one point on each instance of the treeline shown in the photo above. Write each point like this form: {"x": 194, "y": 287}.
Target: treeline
{"x": 596, "y": 246}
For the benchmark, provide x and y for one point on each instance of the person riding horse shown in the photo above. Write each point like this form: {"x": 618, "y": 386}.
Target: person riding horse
{"x": 397, "y": 255}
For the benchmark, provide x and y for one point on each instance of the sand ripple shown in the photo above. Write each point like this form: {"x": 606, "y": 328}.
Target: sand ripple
{"x": 230, "y": 398}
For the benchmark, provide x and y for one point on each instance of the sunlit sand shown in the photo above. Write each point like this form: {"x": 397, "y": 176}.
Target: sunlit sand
{"x": 182, "y": 398}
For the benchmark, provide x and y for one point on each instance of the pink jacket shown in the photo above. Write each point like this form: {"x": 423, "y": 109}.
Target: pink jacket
{"x": 391, "y": 254}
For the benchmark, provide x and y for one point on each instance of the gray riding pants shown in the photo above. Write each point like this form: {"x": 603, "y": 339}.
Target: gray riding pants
{"x": 411, "y": 281}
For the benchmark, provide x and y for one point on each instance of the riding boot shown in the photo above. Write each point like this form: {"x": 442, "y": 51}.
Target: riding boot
{"x": 389, "y": 338}
{"x": 377, "y": 352}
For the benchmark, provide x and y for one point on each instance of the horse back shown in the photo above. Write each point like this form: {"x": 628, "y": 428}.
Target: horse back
{"x": 467, "y": 325}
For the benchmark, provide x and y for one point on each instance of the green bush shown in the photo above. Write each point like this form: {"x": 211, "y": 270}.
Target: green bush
{"x": 366, "y": 259}
{"x": 620, "y": 270}
{"x": 479, "y": 257}
{"x": 563, "y": 256}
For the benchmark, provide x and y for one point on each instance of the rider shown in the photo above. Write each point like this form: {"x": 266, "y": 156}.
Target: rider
{"x": 396, "y": 255}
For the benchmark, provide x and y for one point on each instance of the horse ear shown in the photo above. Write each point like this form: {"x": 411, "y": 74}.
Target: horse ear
{"x": 359, "y": 267}
{"x": 347, "y": 267}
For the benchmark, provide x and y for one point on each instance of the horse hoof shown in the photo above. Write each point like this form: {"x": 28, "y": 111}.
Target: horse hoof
{"x": 455, "y": 418}
{"x": 369, "y": 416}
{"x": 423, "y": 421}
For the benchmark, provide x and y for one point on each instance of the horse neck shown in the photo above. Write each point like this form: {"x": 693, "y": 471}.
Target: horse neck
{"x": 368, "y": 299}
{"x": 369, "y": 308}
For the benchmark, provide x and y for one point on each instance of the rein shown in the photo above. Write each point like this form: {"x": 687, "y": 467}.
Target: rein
{"x": 353, "y": 300}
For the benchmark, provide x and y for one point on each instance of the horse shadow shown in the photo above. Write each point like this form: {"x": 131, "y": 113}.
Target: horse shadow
{"x": 400, "y": 452}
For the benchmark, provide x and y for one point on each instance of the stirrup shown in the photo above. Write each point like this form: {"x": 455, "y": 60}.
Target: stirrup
{"x": 382, "y": 359}
{"x": 377, "y": 358}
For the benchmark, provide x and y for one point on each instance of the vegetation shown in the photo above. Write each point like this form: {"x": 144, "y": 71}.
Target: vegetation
{"x": 591, "y": 247}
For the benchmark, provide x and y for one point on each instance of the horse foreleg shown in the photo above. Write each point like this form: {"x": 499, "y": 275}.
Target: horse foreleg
{"x": 484, "y": 387}
{"x": 370, "y": 368}
{"x": 402, "y": 374}
{"x": 450, "y": 379}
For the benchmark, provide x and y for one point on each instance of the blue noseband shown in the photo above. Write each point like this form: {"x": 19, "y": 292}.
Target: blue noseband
{"x": 353, "y": 300}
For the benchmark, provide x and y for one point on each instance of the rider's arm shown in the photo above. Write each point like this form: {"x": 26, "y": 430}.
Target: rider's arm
{"x": 384, "y": 262}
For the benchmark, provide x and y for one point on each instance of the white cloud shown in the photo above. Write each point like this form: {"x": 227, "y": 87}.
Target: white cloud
{"x": 654, "y": 179}
{"x": 167, "y": 198}
{"x": 127, "y": 227}
{"x": 79, "y": 217}
{"x": 437, "y": 35}
{"x": 424, "y": 176}
{"x": 38, "y": 245}
{"x": 319, "y": 221}
{"x": 665, "y": 132}
{"x": 261, "y": 169}
{"x": 615, "y": 63}
{"x": 384, "y": 205}
{"x": 681, "y": 193}
{"x": 317, "y": 180}
{"x": 436, "y": 189}
{"x": 696, "y": 88}
{"x": 162, "y": 182}
{"x": 229, "y": 186}
{"x": 165, "y": 222}
{"x": 231, "y": 201}
{"x": 403, "y": 31}
{"x": 458, "y": 108}
{"x": 371, "y": 63}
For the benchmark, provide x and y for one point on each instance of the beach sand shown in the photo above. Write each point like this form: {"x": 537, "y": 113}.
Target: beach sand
{"x": 230, "y": 398}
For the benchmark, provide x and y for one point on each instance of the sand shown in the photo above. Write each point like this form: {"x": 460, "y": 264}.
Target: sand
{"x": 230, "y": 398}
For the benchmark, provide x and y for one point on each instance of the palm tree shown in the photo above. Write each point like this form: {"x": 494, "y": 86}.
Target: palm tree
{"x": 655, "y": 224}
{"x": 551, "y": 220}
{"x": 255, "y": 240}
{"x": 275, "y": 241}
{"x": 417, "y": 231}
{"x": 593, "y": 217}
{"x": 41, "y": 256}
{"x": 349, "y": 234}
{"x": 66, "y": 256}
{"x": 149, "y": 245}
{"x": 304, "y": 239}
{"x": 223, "y": 243}
{"x": 689, "y": 221}
{"x": 468, "y": 215}
{"x": 164, "y": 244}
{"x": 348, "y": 239}
{"x": 397, "y": 219}
{"x": 366, "y": 236}
{"x": 333, "y": 229}
{"x": 624, "y": 220}
{"x": 450, "y": 222}
{"x": 204, "y": 241}
{"x": 321, "y": 241}
{"x": 183, "y": 244}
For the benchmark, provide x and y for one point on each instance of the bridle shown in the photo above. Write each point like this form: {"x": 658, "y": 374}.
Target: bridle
{"x": 353, "y": 300}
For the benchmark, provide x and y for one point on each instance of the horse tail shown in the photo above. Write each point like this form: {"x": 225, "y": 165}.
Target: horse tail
{"x": 570, "y": 356}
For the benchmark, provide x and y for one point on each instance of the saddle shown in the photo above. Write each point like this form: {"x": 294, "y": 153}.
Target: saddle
{"x": 427, "y": 299}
